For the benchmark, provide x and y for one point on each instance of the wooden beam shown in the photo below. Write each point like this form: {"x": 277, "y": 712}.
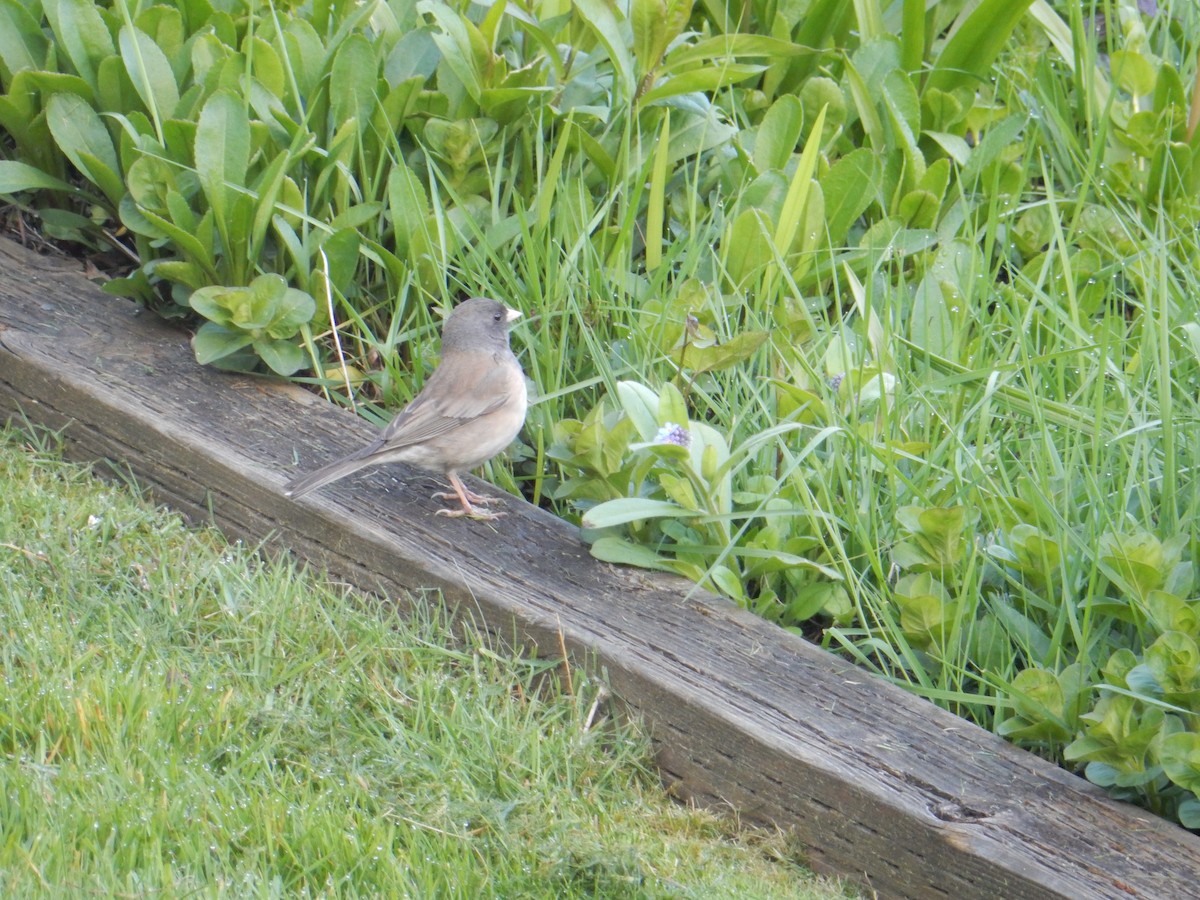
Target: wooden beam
{"x": 878, "y": 784}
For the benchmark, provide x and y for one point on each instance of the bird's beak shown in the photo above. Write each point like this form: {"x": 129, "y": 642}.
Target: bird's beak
{"x": 513, "y": 314}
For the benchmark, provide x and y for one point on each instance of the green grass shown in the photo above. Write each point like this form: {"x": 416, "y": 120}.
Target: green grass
{"x": 180, "y": 717}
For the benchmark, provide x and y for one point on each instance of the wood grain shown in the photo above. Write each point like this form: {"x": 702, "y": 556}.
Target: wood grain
{"x": 878, "y": 784}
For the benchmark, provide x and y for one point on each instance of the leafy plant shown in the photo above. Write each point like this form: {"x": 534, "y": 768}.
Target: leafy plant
{"x": 261, "y": 317}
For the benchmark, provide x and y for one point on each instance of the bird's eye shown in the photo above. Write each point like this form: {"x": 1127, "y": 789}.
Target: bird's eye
{"x": 498, "y": 316}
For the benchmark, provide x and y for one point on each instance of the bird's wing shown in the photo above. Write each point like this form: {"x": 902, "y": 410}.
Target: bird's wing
{"x": 480, "y": 386}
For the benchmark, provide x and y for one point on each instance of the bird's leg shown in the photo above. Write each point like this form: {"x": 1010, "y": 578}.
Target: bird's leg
{"x": 466, "y": 498}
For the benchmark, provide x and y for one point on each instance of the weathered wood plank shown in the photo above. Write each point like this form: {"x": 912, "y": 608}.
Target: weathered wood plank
{"x": 880, "y": 785}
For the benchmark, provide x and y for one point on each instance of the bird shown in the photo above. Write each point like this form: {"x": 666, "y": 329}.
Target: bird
{"x": 471, "y": 408}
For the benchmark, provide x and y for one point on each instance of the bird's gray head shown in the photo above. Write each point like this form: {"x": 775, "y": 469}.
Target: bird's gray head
{"x": 478, "y": 324}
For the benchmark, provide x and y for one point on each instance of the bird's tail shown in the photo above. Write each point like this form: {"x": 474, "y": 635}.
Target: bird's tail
{"x": 339, "y": 468}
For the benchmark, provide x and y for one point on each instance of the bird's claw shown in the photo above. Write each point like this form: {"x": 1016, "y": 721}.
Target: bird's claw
{"x": 471, "y": 497}
{"x": 472, "y": 513}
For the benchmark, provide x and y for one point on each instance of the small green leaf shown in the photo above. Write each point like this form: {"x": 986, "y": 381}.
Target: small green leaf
{"x": 624, "y": 552}
{"x": 641, "y": 405}
{"x": 671, "y": 407}
{"x": 712, "y": 358}
{"x": 293, "y": 309}
{"x": 1132, "y": 72}
{"x": 776, "y": 138}
{"x": 212, "y": 342}
{"x": 747, "y": 244}
{"x": 283, "y": 357}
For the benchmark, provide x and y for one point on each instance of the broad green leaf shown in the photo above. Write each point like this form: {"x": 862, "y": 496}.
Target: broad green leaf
{"x": 208, "y": 54}
{"x": 941, "y": 110}
{"x": 692, "y": 134}
{"x": 672, "y": 409}
{"x": 930, "y": 325}
{"x": 463, "y": 47}
{"x": 409, "y": 208}
{"x": 850, "y": 185}
{"x": 747, "y": 244}
{"x": 732, "y": 46}
{"x": 22, "y": 44}
{"x": 340, "y": 256}
{"x": 919, "y": 209}
{"x": 65, "y": 225}
{"x": 824, "y": 93}
{"x": 415, "y": 55}
{"x": 354, "y": 81}
{"x": 48, "y": 83}
{"x": 150, "y": 72}
{"x": 641, "y": 405}
{"x": 712, "y": 358}
{"x": 212, "y": 342}
{"x": 267, "y": 67}
{"x": 82, "y": 137}
{"x": 999, "y": 138}
{"x": 303, "y": 55}
{"x": 1132, "y": 72}
{"x": 189, "y": 242}
{"x": 187, "y": 274}
{"x": 1038, "y": 695}
{"x": 19, "y": 176}
{"x": 603, "y": 23}
{"x": 777, "y": 135}
{"x": 1180, "y": 757}
{"x": 624, "y": 552}
{"x": 83, "y": 34}
{"x": 222, "y": 152}
{"x": 728, "y": 583}
{"x": 981, "y": 33}
{"x": 710, "y": 78}
{"x": 283, "y": 357}
{"x": 624, "y": 510}
{"x": 927, "y": 610}
{"x": 293, "y": 309}
{"x": 902, "y": 110}
{"x": 1189, "y": 813}
{"x": 655, "y": 24}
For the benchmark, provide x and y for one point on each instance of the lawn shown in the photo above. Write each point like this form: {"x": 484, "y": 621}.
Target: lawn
{"x": 180, "y": 716}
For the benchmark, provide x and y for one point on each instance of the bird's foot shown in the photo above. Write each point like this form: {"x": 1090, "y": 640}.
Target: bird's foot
{"x": 470, "y": 513}
{"x": 471, "y": 497}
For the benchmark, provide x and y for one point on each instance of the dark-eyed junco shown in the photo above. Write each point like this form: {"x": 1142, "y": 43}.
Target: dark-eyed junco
{"x": 470, "y": 409}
